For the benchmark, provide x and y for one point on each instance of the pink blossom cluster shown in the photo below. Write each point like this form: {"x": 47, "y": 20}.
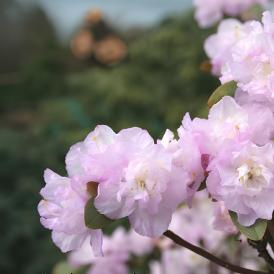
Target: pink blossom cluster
{"x": 197, "y": 225}
{"x": 137, "y": 178}
{"x": 237, "y": 140}
{"x": 243, "y": 52}
{"x": 122, "y": 246}
{"x": 118, "y": 250}
{"x": 146, "y": 181}
{"x": 209, "y": 12}
{"x": 182, "y": 261}
{"x": 230, "y": 153}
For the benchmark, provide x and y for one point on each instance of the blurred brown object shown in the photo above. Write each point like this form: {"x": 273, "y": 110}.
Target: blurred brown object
{"x": 82, "y": 44}
{"x": 206, "y": 66}
{"x": 97, "y": 41}
{"x": 110, "y": 50}
{"x": 93, "y": 16}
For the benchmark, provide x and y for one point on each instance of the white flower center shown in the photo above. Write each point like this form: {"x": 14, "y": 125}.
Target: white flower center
{"x": 266, "y": 69}
{"x": 140, "y": 184}
{"x": 237, "y": 32}
{"x": 250, "y": 174}
{"x": 143, "y": 186}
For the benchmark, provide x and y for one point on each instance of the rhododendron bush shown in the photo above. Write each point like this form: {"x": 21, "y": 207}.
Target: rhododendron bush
{"x": 168, "y": 189}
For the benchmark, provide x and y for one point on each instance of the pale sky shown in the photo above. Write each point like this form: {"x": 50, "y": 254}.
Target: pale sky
{"x": 67, "y": 14}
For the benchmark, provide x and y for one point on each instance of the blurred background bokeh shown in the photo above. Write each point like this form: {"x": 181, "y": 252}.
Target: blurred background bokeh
{"x": 68, "y": 65}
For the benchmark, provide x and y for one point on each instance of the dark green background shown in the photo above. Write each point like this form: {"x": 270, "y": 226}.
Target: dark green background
{"x": 48, "y": 101}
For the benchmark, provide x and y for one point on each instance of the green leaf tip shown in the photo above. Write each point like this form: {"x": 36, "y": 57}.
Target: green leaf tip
{"x": 226, "y": 89}
{"x": 254, "y": 232}
{"x": 93, "y": 218}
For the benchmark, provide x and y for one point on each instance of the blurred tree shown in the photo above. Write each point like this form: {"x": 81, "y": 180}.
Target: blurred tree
{"x": 29, "y": 72}
{"x": 159, "y": 82}
{"x": 10, "y": 46}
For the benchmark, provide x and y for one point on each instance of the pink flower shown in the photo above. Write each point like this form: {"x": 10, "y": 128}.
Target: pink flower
{"x": 179, "y": 261}
{"x": 80, "y": 162}
{"x": 210, "y": 12}
{"x": 186, "y": 159}
{"x": 242, "y": 177}
{"x": 89, "y": 160}
{"x": 197, "y": 128}
{"x": 109, "y": 265}
{"x": 228, "y": 121}
{"x": 222, "y": 220}
{"x": 139, "y": 245}
{"x": 117, "y": 249}
{"x": 135, "y": 177}
{"x": 218, "y": 46}
{"x": 145, "y": 188}
{"x": 116, "y": 255}
{"x": 195, "y": 224}
{"x": 243, "y": 52}
{"x": 62, "y": 211}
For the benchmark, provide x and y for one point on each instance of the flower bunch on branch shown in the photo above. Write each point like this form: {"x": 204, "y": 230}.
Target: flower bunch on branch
{"x": 229, "y": 155}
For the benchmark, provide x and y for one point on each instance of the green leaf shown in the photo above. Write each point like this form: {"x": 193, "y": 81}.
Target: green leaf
{"x": 93, "y": 218}
{"x": 65, "y": 268}
{"x": 226, "y": 89}
{"x": 255, "y": 232}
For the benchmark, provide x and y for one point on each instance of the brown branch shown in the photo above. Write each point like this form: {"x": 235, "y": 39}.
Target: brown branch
{"x": 260, "y": 246}
{"x": 237, "y": 269}
{"x": 262, "y": 252}
{"x": 270, "y": 229}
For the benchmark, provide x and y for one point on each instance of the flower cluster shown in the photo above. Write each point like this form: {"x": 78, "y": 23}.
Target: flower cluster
{"x": 122, "y": 246}
{"x": 195, "y": 224}
{"x": 137, "y": 178}
{"x": 118, "y": 249}
{"x": 146, "y": 181}
{"x": 211, "y": 11}
{"x": 243, "y": 52}
{"x": 129, "y": 175}
{"x": 62, "y": 211}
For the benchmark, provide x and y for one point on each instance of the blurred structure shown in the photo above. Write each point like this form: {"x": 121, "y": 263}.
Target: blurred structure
{"x": 82, "y": 45}
{"x": 93, "y": 16}
{"x": 98, "y": 40}
{"x": 110, "y": 50}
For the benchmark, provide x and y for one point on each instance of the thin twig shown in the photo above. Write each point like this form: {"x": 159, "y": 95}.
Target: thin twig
{"x": 237, "y": 269}
{"x": 260, "y": 246}
{"x": 270, "y": 229}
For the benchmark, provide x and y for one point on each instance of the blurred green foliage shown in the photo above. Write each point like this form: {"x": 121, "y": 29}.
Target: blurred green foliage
{"x": 49, "y": 101}
{"x": 155, "y": 86}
